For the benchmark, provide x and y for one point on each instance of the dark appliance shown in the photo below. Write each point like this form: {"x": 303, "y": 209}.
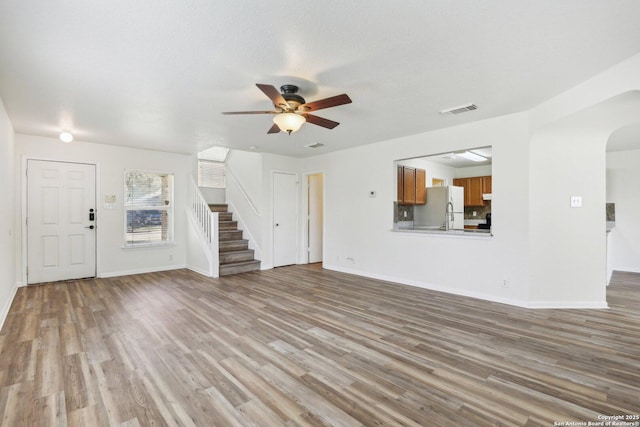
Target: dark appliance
{"x": 487, "y": 225}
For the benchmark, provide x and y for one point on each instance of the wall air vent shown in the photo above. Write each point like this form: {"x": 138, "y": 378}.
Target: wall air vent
{"x": 315, "y": 145}
{"x": 458, "y": 110}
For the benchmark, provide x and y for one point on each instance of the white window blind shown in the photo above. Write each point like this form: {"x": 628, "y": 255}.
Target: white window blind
{"x": 148, "y": 203}
{"x": 211, "y": 174}
{"x": 211, "y": 167}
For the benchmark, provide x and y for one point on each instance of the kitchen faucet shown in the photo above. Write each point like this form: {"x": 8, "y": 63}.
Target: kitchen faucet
{"x": 448, "y": 216}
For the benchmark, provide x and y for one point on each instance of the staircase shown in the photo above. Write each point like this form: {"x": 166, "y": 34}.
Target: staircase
{"x": 234, "y": 253}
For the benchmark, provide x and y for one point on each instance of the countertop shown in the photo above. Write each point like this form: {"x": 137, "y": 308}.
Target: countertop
{"x": 436, "y": 230}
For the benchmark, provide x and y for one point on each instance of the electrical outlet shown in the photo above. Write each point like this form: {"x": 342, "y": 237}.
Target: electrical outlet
{"x": 405, "y": 214}
{"x": 475, "y": 213}
{"x": 505, "y": 283}
{"x": 576, "y": 201}
{"x": 170, "y": 257}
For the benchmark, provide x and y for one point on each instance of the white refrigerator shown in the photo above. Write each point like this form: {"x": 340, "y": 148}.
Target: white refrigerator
{"x": 444, "y": 208}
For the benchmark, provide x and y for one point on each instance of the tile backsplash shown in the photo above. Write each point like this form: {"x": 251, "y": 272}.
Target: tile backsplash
{"x": 611, "y": 211}
{"x": 481, "y": 211}
{"x": 399, "y": 211}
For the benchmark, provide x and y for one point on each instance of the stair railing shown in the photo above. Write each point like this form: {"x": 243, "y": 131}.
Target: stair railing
{"x": 207, "y": 223}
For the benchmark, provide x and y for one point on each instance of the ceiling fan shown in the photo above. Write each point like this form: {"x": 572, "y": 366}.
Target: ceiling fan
{"x": 292, "y": 110}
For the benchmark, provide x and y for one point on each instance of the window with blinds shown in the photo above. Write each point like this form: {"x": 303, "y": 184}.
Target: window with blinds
{"x": 211, "y": 167}
{"x": 148, "y": 208}
{"x": 211, "y": 174}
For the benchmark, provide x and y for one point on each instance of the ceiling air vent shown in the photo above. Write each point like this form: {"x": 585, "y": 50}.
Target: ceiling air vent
{"x": 315, "y": 145}
{"x": 458, "y": 110}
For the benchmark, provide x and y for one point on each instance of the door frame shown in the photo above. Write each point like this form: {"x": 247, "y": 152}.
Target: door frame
{"x": 23, "y": 221}
{"x": 305, "y": 214}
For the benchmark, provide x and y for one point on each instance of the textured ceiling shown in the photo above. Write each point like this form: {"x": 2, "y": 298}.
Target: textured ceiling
{"x": 157, "y": 74}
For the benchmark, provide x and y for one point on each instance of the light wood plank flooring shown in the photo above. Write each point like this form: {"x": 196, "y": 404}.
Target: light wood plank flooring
{"x": 301, "y": 346}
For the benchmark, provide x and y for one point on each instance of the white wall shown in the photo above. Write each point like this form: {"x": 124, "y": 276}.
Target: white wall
{"x": 471, "y": 171}
{"x": 112, "y": 161}
{"x": 7, "y": 232}
{"x": 568, "y": 245}
{"x": 623, "y": 177}
{"x": 213, "y": 196}
{"x": 359, "y": 227}
{"x": 246, "y": 168}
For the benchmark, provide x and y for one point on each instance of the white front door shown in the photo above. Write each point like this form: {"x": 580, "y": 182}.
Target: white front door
{"x": 314, "y": 224}
{"x": 285, "y": 218}
{"x": 61, "y": 221}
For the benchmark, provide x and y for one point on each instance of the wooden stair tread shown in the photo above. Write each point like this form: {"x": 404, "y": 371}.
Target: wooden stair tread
{"x": 239, "y": 267}
{"x": 218, "y": 207}
{"x": 236, "y": 256}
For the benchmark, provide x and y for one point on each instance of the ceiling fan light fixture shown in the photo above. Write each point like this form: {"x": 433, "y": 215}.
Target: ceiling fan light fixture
{"x": 289, "y": 122}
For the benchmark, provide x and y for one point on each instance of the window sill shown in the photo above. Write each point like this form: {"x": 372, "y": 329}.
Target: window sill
{"x": 148, "y": 245}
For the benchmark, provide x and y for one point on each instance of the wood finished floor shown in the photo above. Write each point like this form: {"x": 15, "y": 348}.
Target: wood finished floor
{"x": 306, "y": 346}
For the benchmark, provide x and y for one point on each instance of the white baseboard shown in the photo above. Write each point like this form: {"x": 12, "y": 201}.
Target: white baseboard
{"x": 568, "y": 304}
{"x": 140, "y": 271}
{"x": 199, "y": 270}
{"x": 478, "y": 295}
{"x": 7, "y": 306}
{"x": 431, "y": 286}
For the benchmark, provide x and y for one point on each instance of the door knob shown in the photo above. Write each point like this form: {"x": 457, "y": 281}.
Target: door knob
{"x": 91, "y": 227}
{"x": 277, "y": 225}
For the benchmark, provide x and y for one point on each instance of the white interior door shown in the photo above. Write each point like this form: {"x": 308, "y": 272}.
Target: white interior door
{"x": 315, "y": 220}
{"x": 285, "y": 218}
{"x": 61, "y": 234}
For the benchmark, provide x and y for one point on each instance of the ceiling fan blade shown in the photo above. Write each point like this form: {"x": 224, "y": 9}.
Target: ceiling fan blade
{"x": 327, "y": 102}
{"x": 274, "y": 96}
{"x": 274, "y": 129}
{"x": 325, "y": 123}
{"x": 250, "y": 112}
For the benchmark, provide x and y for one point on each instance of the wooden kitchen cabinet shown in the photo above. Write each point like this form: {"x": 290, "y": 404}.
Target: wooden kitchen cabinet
{"x": 412, "y": 186}
{"x": 475, "y": 191}
{"x": 409, "y": 186}
{"x": 474, "y": 188}
{"x": 486, "y": 184}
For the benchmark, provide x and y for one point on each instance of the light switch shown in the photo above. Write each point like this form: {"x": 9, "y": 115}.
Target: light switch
{"x": 576, "y": 201}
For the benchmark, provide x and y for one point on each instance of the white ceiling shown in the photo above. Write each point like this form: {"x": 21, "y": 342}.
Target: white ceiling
{"x": 157, "y": 74}
{"x": 455, "y": 161}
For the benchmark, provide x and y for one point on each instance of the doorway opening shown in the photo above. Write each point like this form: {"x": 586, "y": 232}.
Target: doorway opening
{"x": 315, "y": 218}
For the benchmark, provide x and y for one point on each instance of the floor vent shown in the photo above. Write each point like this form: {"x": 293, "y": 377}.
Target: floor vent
{"x": 458, "y": 110}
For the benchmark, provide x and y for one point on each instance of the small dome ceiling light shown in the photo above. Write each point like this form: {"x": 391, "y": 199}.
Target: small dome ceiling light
{"x": 66, "y": 137}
